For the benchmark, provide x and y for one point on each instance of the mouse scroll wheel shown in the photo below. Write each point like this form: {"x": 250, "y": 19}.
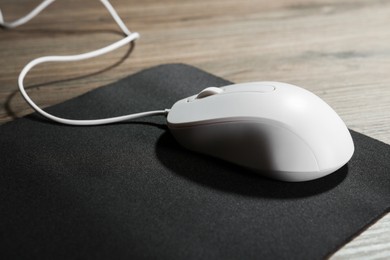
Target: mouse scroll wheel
{"x": 209, "y": 92}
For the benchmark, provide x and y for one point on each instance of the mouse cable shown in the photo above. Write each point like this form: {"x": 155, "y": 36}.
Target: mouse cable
{"x": 130, "y": 37}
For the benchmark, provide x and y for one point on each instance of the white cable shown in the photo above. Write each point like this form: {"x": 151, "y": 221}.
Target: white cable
{"x": 27, "y": 17}
{"x": 129, "y": 38}
{"x": 116, "y": 17}
{"x": 79, "y": 57}
{"x": 46, "y": 3}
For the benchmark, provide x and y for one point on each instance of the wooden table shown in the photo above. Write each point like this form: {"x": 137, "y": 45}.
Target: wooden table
{"x": 338, "y": 49}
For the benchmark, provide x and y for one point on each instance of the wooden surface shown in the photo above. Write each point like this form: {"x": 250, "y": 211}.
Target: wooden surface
{"x": 338, "y": 49}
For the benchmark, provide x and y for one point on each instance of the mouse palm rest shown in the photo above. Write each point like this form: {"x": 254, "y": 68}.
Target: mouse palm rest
{"x": 276, "y": 129}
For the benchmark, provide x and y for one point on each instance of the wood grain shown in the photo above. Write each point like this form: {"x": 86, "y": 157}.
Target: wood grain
{"x": 338, "y": 49}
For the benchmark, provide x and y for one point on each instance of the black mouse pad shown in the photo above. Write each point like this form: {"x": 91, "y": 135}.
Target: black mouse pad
{"x": 129, "y": 191}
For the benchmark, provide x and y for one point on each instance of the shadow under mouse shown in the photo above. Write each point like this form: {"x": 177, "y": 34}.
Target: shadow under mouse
{"x": 227, "y": 177}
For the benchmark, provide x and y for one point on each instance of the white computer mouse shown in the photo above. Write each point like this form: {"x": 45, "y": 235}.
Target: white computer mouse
{"x": 276, "y": 129}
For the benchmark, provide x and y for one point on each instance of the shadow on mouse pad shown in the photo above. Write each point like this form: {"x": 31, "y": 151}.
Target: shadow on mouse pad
{"x": 228, "y": 177}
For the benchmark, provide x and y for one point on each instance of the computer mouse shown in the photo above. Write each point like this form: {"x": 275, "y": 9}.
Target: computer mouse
{"x": 276, "y": 129}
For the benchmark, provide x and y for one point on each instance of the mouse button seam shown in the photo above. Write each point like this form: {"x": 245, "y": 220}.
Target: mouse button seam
{"x": 214, "y": 122}
{"x": 245, "y": 91}
{"x": 194, "y": 98}
{"x": 200, "y": 123}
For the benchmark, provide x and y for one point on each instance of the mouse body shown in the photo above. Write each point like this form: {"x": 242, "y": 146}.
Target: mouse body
{"x": 276, "y": 129}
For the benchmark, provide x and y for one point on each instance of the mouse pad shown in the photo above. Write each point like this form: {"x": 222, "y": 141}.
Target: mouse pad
{"x": 130, "y": 191}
